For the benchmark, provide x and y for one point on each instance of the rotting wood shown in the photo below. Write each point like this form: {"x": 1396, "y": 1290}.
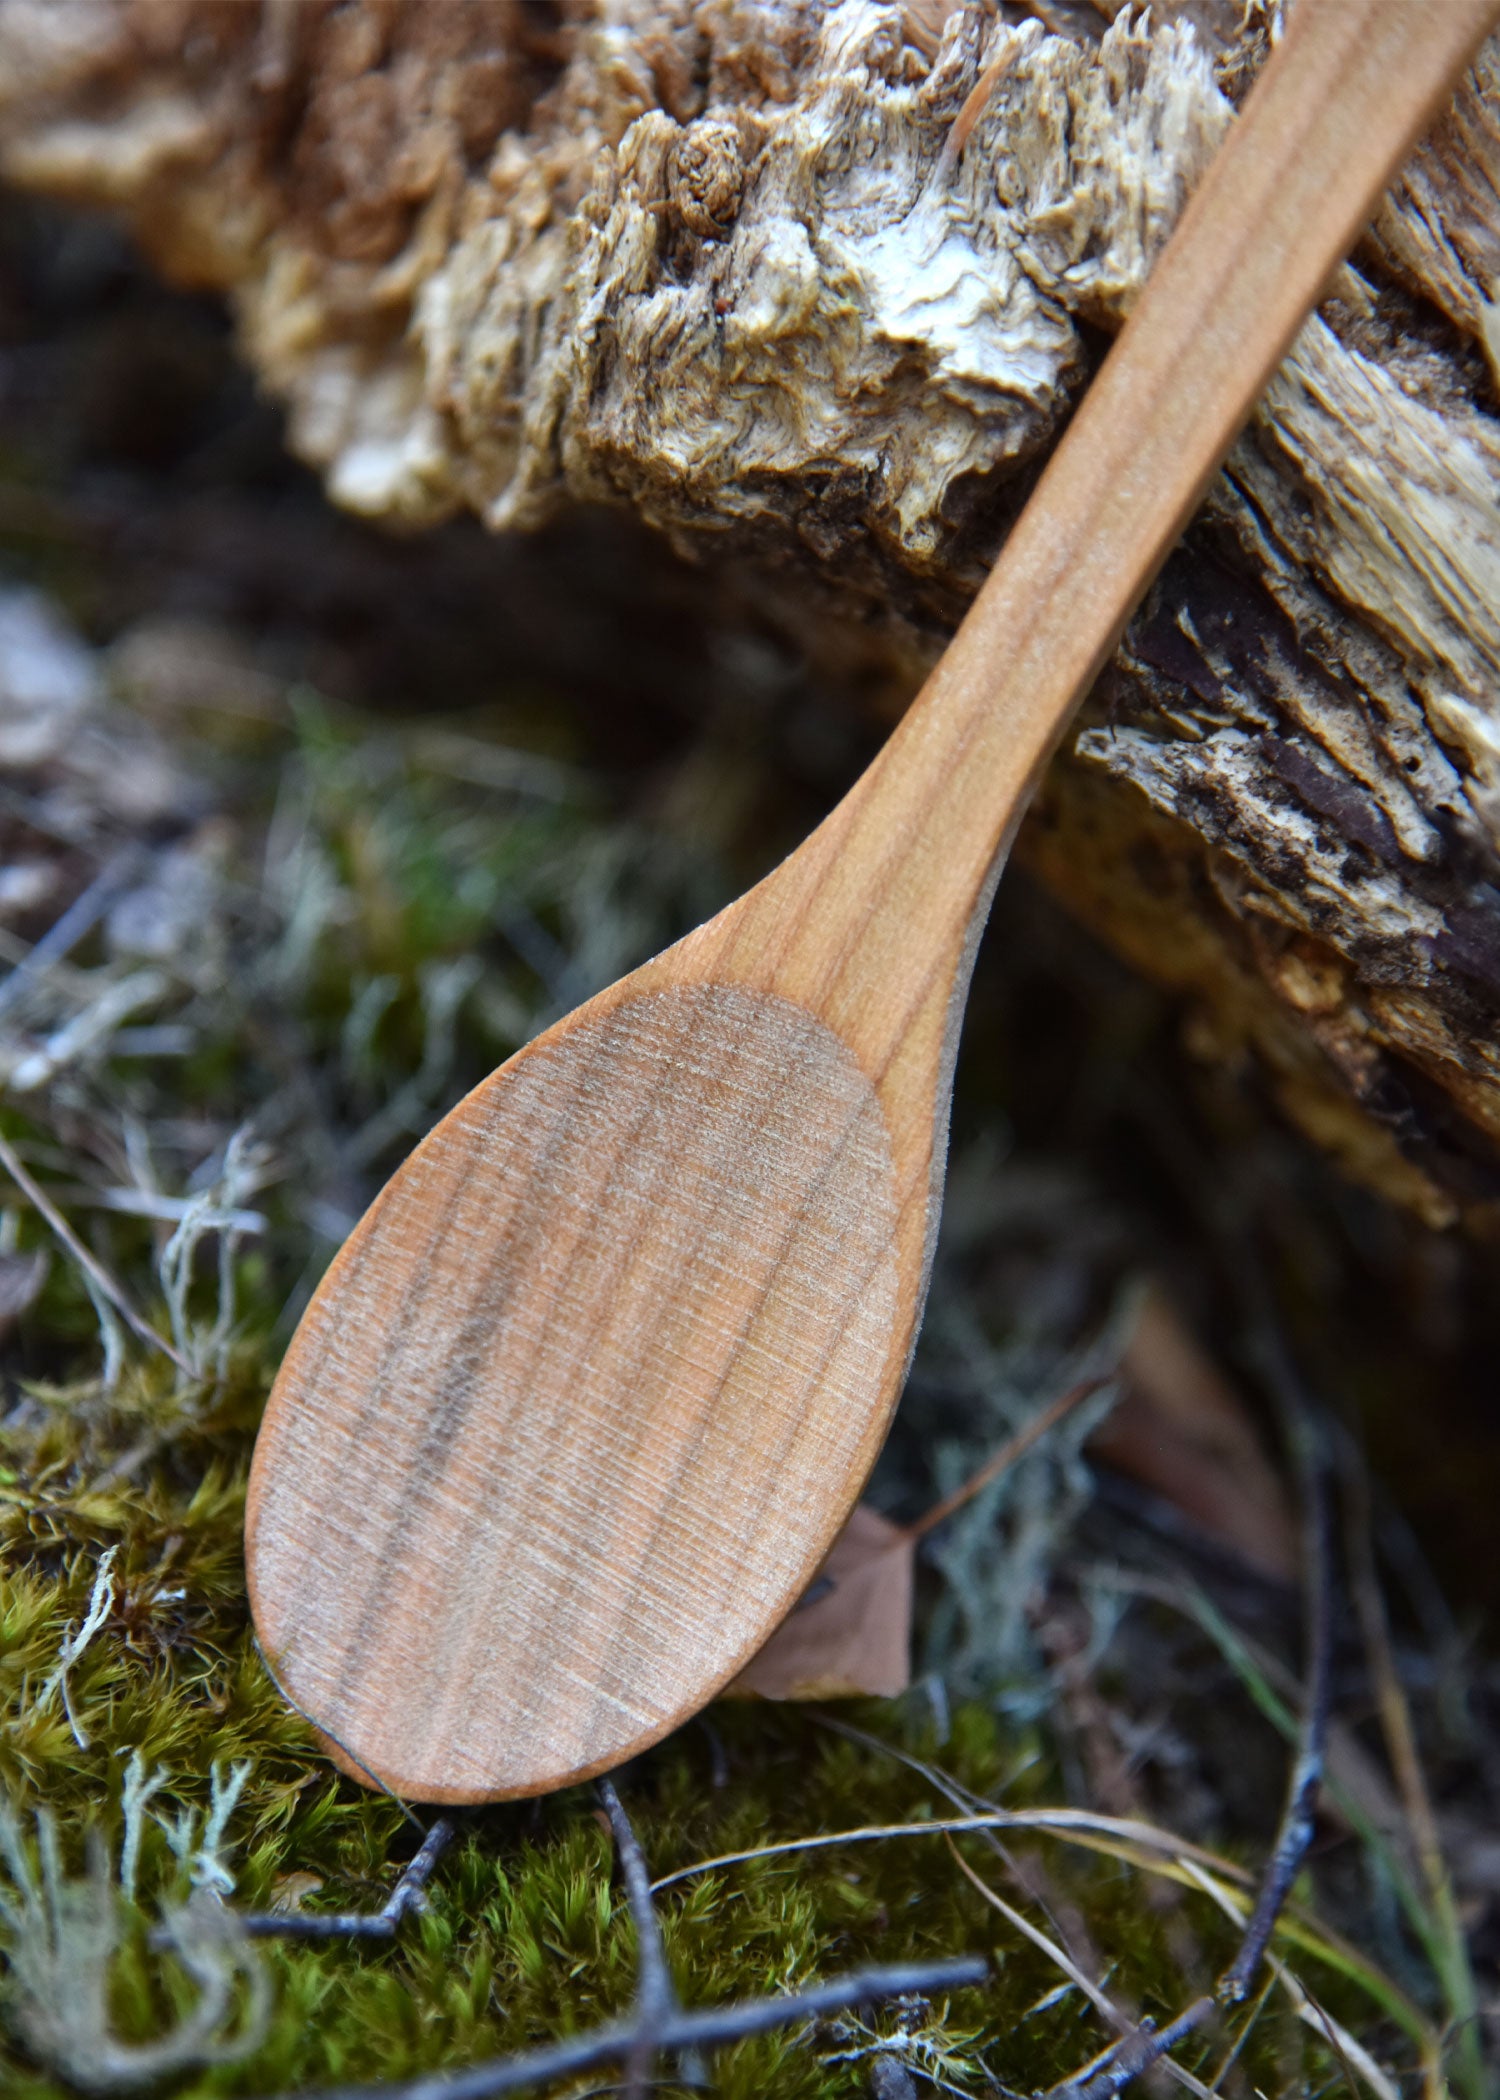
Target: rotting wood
{"x": 695, "y": 257}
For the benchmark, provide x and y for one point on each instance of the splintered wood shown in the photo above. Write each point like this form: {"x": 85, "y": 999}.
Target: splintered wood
{"x": 726, "y": 265}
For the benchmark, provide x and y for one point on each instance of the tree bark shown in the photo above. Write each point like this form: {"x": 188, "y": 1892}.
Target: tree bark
{"x": 797, "y": 280}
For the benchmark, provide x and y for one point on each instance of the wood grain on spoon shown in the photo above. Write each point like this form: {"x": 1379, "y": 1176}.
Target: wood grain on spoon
{"x": 579, "y": 1408}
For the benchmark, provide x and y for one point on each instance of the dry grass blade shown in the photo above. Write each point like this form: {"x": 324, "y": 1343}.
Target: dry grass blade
{"x": 1062, "y": 1822}
{"x": 1107, "y": 2010}
{"x": 93, "y": 1270}
{"x": 1274, "y": 1692}
{"x": 1309, "y": 2011}
{"x": 1137, "y": 1844}
{"x": 976, "y": 103}
{"x": 1013, "y": 1449}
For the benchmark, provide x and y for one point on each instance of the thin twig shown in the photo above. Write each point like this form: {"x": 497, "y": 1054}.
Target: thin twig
{"x": 1178, "y": 1861}
{"x": 1296, "y": 1832}
{"x": 91, "y": 1266}
{"x": 1102, "y": 2003}
{"x": 655, "y": 1999}
{"x": 711, "y": 2028}
{"x": 962, "y": 1797}
{"x": 80, "y": 918}
{"x": 1231, "y": 2056}
{"x": 1350, "y": 2052}
{"x": 1152, "y": 1851}
{"x": 1137, "y": 2053}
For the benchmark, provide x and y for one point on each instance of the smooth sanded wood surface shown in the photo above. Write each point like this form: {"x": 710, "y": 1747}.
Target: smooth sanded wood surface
{"x": 579, "y": 1408}
{"x": 689, "y": 1203}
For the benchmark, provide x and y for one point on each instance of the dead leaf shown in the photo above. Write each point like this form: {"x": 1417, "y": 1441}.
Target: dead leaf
{"x": 851, "y": 1634}
{"x": 1181, "y": 1430}
{"x": 290, "y": 1891}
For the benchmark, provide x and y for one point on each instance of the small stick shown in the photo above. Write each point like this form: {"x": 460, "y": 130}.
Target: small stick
{"x": 680, "y": 2033}
{"x": 1406, "y": 1763}
{"x": 64, "y": 934}
{"x": 1295, "y": 1833}
{"x": 1306, "y": 1779}
{"x": 655, "y": 1999}
{"x": 91, "y": 1266}
{"x": 1231, "y": 2056}
{"x": 1137, "y": 2053}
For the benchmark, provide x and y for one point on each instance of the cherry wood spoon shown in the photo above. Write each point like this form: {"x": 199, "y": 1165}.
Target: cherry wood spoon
{"x": 581, "y": 1405}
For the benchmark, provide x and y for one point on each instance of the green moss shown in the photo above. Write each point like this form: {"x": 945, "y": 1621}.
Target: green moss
{"x": 526, "y": 1939}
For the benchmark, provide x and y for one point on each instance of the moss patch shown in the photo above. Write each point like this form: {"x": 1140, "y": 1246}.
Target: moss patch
{"x": 379, "y": 913}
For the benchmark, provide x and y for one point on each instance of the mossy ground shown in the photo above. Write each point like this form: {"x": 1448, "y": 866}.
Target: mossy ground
{"x": 527, "y": 1938}
{"x": 363, "y": 874}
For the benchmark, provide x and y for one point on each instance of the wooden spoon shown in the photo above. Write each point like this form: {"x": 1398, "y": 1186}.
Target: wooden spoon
{"x": 582, "y": 1403}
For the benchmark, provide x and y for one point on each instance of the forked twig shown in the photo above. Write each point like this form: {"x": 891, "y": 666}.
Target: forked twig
{"x": 407, "y": 1896}
{"x": 1133, "y": 2054}
{"x": 655, "y": 1998}
{"x": 657, "y": 2025}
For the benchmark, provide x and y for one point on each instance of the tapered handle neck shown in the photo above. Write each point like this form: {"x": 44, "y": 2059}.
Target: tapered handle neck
{"x": 905, "y": 865}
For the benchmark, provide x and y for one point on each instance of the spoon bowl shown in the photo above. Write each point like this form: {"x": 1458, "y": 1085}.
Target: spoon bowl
{"x": 675, "y": 1218}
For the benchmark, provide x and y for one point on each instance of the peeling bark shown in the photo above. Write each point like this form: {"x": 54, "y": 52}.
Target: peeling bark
{"x": 795, "y": 279}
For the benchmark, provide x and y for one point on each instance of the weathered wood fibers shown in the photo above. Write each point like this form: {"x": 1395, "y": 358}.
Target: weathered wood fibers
{"x": 709, "y": 258}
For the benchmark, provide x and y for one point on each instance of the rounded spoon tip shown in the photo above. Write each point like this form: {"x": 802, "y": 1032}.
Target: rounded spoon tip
{"x": 579, "y": 1408}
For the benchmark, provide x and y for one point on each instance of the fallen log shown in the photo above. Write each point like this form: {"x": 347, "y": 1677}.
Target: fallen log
{"x": 813, "y": 288}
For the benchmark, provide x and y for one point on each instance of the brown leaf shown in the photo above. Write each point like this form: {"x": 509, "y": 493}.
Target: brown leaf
{"x": 290, "y": 1891}
{"x": 1182, "y": 1430}
{"x": 851, "y": 1635}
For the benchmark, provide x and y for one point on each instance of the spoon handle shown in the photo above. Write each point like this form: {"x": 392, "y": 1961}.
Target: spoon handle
{"x": 905, "y": 866}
